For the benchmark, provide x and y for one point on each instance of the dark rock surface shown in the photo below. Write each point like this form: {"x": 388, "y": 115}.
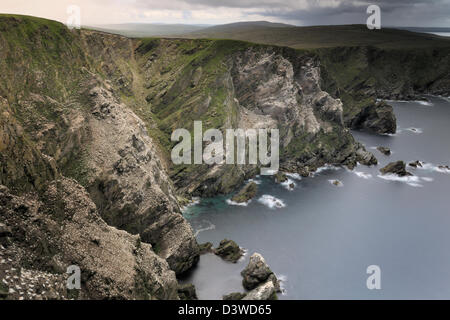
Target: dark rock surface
{"x": 385, "y": 151}
{"x": 235, "y": 296}
{"x": 246, "y": 194}
{"x": 398, "y": 168}
{"x": 229, "y": 251}
{"x": 377, "y": 118}
{"x": 416, "y": 164}
{"x": 187, "y": 292}
{"x": 258, "y": 272}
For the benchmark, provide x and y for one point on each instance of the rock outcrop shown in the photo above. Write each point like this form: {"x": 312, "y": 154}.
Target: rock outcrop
{"x": 229, "y": 251}
{"x": 258, "y": 272}
{"x": 246, "y": 194}
{"x": 416, "y": 164}
{"x": 265, "y": 291}
{"x": 385, "y": 151}
{"x": 187, "y": 292}
{"x": 397, "y": 168}
{"x": 377, "y": 118}
{"x": 235, "y": 296}
{"x": 129, "y": 184}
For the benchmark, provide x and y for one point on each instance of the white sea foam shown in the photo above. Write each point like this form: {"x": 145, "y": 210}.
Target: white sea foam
{"x": 422, "y": 102}
{"x": 410, "y": 129}
{"x": 339, "y": 183}
{"x": 427, "y": 179}
{"x": 195, "y": 201}
{"x": 209, "y": 226}
{"x": 433, "y": 168}
{"x": 271, "y": 202}
{"x": 412, "y": 181}
{"x": 325, "y": 168}
{"x": 425, "y": 103}
{"x": 240, "y": 204}
{"x": 294, "y": 176}
{"x": 363, "y": 175}
{"x": 289, "y": 184}
{"x": 255, "y": 181}
{"x": 283, "y": 279}
{"x": 244, "y": 254}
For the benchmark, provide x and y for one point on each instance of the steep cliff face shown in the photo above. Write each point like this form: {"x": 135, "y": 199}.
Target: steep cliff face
{"x": 230, "y": 84}
{"x": 85, "y": 126}
{"x": 360, "y": 75}
{"x": 62, "y": 116}
{"x": 62, "y": 227}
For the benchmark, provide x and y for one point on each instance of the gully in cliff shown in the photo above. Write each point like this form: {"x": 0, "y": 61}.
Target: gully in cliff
{"x": 215, "y": 153}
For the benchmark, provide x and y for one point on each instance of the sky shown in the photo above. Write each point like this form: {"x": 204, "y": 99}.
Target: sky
{"x": 418, "y": 13}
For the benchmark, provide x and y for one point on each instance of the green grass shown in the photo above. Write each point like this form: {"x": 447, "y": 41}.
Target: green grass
{"x": 325, "y": 36}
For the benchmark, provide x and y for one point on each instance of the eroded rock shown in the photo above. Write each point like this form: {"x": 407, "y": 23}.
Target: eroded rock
{"x": 246, "y": 194}
{"x": 378, "y": 118}
{"x": 229, "y": 251}
{"x": 397, "y": 168}
{"x": 258, "y": 272}
{"x": 384, "y": 150}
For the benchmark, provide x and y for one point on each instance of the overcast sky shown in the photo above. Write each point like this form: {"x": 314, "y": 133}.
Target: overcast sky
{"x": 299, "y": 12}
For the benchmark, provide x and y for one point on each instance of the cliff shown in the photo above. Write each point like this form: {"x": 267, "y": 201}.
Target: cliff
{"x": 85, "y": 125}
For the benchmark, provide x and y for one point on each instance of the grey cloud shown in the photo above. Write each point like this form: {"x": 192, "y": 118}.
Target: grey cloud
{"x": 394, "y": 12}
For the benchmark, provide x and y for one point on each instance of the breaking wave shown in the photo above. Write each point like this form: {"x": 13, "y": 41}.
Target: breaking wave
{"x": 241, "y": 204}
{"x": 209, "y": 226}
{"x": 410, "y": 129}
{"x": 271, "y": 202}
{"x": 289, "y": 184}
{"x": 412, "y": 181}
{"x": 362, "y": 175}
{"x": 336, "y": 183}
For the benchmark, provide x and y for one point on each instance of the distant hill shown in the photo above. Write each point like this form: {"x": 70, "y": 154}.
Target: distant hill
{"x": 289, "y": 35}
{"x": 320, "y": 36}
{"x": 146, "y": 30}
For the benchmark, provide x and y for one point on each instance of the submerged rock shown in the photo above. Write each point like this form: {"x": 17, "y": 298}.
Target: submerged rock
{"x": 444, "y": 167}
{"x": 398, "y": 168}
{"x": 258, "y": 272}
{"x": 234, "y": 296}
{"x": 336, "y": 183}
{"x": 229, "y": 251}
{"x": 246, "y": 194}
{"x": 384, "y": 150}
{"x": 187, "y": 292}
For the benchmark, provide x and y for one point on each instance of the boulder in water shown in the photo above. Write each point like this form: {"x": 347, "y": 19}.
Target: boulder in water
{"x": 398, "y": 168}
{"x": 384, "y": 150}
{"x": 416, "y": 164}
{"x": 229, "y": 251}
{"x": 258, "y": 272}
{"x": 280, "y": 177}
{"x": 246, "y": 194}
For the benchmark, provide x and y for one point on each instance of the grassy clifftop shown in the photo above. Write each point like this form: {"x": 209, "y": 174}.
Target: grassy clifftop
{"x": 323, "y": 36}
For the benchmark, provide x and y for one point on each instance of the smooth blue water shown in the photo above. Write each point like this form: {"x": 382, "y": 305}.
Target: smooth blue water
{"x": 322, "y": 242}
